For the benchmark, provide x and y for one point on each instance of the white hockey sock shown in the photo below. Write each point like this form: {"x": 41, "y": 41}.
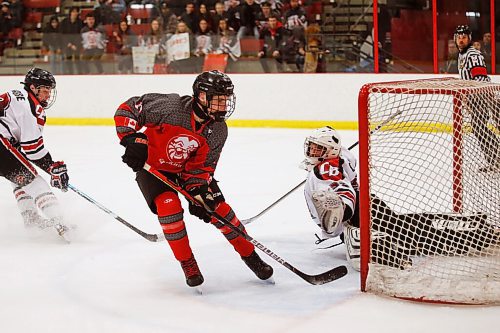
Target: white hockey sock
{"x": 44, "y": 198}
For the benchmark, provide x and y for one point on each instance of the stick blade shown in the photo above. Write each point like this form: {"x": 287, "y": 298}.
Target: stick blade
{"x": 326, "y": 277}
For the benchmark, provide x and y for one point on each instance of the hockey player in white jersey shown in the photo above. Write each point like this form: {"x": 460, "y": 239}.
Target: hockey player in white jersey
{"x": 22, "y": 118}
{"x": 331, "y": 189}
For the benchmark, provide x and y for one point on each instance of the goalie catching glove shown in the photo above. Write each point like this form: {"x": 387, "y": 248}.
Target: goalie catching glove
{"x": 59, "y": 175}
{"x": 330, "y": 209}
{"x": 136, "y": 150}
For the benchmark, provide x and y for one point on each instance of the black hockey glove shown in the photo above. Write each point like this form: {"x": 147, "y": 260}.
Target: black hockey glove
{"x": 200, "y": 212}
{"x": 136, "y": 150}
{"x": 59, "y": 175}
{"x": 216, "y": 194}
{"x": 204, "y": 196}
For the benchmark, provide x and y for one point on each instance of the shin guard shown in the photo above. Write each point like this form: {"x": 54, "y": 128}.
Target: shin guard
{"x": 170, "y": 216}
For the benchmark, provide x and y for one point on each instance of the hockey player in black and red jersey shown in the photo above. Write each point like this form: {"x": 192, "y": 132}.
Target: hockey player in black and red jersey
{"x": 182, "y": 137}
{"x": 331, "y": 189}
{"x": 22, "y": 119}
{"x": 471, "y": 66}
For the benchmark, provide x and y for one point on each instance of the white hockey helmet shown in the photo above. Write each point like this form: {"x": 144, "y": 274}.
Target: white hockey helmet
{"x": 324, "y": 143}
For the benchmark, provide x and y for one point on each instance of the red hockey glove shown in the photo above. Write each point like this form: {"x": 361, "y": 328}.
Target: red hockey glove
{"x": 136, "y": 150}
{"x": 59, "y": 175}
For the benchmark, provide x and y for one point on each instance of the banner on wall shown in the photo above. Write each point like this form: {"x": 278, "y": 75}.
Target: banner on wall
{"x": 178, "y": 47}
{"x": 144, "y": 58}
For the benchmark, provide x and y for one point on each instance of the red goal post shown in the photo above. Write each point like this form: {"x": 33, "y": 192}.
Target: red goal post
{"x": 429, "y": 215}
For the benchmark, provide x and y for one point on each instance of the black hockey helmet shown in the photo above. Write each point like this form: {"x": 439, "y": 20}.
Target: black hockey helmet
{"x": 462, "y": 30}
{"x": 214, "y": 83}
{"x": 40, "y": 77}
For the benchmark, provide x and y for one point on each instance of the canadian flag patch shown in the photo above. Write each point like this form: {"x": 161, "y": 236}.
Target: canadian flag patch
{"x": 131, "y": 123}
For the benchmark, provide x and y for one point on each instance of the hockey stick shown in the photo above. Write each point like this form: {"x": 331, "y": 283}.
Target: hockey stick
{"x": 329, "y": 276}
{"x": 149, "y": 237}
{"x": 379, "y": 126}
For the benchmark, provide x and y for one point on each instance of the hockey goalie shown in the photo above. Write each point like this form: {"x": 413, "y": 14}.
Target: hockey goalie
{"x": 331, "y": 193}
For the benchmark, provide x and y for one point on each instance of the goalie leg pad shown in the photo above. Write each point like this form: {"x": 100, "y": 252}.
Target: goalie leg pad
{"x": 353, "y": 246}
{"x": 330, "y": 208}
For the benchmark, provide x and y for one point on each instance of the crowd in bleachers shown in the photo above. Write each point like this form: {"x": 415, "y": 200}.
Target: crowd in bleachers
{"x": 78, "y": 40}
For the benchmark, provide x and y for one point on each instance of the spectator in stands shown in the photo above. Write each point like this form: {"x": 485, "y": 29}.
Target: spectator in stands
{"x": 249, "y": 12}
{"x": 203, "y": 43}
{"x": 155, "y": 34}
{"x": 182, "y": 62}
{"x": 209, "y": 4}
{"x": 52, "y": 44}
{"x": 293, "y": 48}
{"x": 451, "y": 65}
{"x": 93, "y": 42}
{"x": 124, "y": 39}
{"x": 70, "y": 29}
{"x": 271, "y": 37}
{"x": 104, "y": 13}
{"x": 233, "y": 14}
{"x": 295, "y": 16}
{"x": 190, "y": 18}
{"x": 226, "y": 41}
{"x": 220, "y": 14}
{"x": 314, "y": 57}
{"x": 477, "y": 45}
{"x": 204, "y": 14}
{"x": 119, "y": 7}
{"x": 5, "y": 26}
{"x": 17, "y": 12}
{"x": 177, "y": 7}
{"x": 168, "y": 19}
{"x": 203, "y": 39}
{"x": 264, "y": 15}
{"x": 486, "y": 50}
{"x": 156, "y": 38}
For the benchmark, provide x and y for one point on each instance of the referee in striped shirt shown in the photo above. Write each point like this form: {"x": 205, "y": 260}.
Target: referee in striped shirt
{"x": 471, "y": 66}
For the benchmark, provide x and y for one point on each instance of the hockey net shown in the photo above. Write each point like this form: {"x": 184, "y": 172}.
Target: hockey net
{"x": 430, "y": 190}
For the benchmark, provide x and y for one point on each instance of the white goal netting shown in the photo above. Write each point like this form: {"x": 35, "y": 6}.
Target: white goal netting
{"x": 430, "y": 190}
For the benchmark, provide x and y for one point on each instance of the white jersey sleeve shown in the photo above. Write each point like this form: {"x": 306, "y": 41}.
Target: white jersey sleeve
{"x": 338, "y": 175}
{"x": 22, "y": 119}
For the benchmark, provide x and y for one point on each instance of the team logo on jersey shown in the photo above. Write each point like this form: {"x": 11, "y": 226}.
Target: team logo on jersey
{"x": 179, "y": 148}
{"x": 40, "y": 115}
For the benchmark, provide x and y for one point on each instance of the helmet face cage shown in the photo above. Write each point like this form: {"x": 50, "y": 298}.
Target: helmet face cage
{"x": 323, "y": 144}
{"x": 219, "y": 92}
{"x": 42, "y": 78}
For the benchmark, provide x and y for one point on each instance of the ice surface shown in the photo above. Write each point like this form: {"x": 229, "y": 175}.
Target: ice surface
{"x": 112, "y": 280}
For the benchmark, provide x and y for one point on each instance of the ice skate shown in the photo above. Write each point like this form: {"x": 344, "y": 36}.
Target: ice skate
{"x": 259, "y": 267}
{"x": 192, "y": 273}
{"x": 61, "y": 228}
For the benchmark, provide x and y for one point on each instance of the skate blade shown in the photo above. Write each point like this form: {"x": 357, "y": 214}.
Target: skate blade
{"x": 198, "y": 290}
{"x": 269, "y": 281}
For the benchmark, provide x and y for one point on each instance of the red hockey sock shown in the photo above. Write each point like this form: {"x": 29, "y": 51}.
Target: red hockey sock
{"x": 240, "y": 244}
{"x": 170, "y": 215}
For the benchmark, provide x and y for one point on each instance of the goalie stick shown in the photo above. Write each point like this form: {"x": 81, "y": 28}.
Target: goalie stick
{"x": 149, "y": 237}
{"x": 329, "y": 276}
{"x": 379, "y": 126}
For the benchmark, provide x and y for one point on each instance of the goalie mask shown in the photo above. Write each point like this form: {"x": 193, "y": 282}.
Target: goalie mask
{"x": 324, "y": 143}
{"x": 44, "y": 86}
{"x": 213, "y": 95}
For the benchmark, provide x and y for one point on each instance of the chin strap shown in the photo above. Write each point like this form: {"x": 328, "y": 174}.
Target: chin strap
{"x": 200, "y": 111}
